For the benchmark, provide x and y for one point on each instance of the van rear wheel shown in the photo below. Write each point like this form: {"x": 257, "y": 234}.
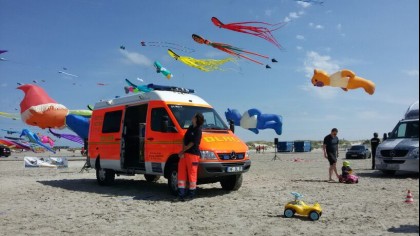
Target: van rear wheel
{"x": 105, "y": 176}
{"x": 152, "y": 178}
{"x": 232, "y": 183}
{"x": 173, "y": 179}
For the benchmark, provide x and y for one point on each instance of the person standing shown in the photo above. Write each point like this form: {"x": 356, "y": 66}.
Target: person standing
{"x": 374, "y": 143}
{"x": 330, "y": 148}
{"x": 189, "y": 158}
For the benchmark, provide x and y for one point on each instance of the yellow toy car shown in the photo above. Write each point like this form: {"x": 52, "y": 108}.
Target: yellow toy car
{"x": 300, "y": 208}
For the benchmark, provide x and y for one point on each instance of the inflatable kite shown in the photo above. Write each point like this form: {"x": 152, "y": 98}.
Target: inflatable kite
{"x": 79, "y": 125}
{"x": 71, "y": 137}
{"x": 8, "y": 131}
{"x": 33, "y": 138}
{"x": 255, "y": 28}
{"x": 169, "y": 45}
{"x": 345, "y": 79}
{"x": 206, "y": 65}
{"x": 230, "y": 49}
{"x": 3, "y": 51}
{"x": 254, "y": 120}
{"x": 38, "y": 109}
{"x": 163, "y": 70}
{"x": 47, "y": 140}
{"x": 85, "y": 113}
{"x": 133, "y": 88}
{"x": 49, "y": 162}
{"x": 68, "y": 74}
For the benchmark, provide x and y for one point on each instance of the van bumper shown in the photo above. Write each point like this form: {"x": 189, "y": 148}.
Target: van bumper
{"x": 397, "y": 164}
{"x": 221, "y": 169}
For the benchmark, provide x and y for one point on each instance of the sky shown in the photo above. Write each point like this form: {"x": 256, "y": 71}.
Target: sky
{"x": 377, "y": 39}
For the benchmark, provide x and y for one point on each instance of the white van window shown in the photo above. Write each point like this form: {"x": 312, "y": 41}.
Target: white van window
{"x": 158, "y": 114}
{"x": 112, "y": 122}
{"x": 406, "y": 130}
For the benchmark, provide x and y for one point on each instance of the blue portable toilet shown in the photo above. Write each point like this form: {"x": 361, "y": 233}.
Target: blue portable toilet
{"x": 302, "y": 146}
{"x": 285, "y": 147}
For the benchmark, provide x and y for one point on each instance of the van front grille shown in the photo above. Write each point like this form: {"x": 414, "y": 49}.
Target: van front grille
{"x": 394, "y": 153}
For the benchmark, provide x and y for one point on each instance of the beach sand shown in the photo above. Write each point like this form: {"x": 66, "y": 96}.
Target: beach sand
{"x": 65, "y": 202}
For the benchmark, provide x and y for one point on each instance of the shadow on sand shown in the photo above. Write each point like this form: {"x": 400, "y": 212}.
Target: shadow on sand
{"x": 381, "y": 175}
{"x": 405, "y": 229}
{"x": 125, "y": 189}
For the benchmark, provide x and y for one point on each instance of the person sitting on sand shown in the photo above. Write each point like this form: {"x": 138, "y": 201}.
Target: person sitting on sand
{"x": 346, "y": 170}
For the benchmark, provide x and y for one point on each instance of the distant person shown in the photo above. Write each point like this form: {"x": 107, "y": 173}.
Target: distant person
{"x": 389, "y": 134}
{"x": 385, "y": 137}
{"x": 374, "y": 143}
{"x": 232, "y": 126}
{"x": 346, "y": 170}
{"x": 330, "y": 148}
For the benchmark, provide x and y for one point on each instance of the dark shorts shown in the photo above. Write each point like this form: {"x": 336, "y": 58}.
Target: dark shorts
{"x": 332, "y": 159}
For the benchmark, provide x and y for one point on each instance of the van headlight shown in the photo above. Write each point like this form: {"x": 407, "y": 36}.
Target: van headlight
{"x": 414, "y": 153}
{"x": 208, "y": 155}
{"x": 247, "y": 154}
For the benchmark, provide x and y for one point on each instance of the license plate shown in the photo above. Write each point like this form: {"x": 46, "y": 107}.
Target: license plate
{"x": 392, "y": 166}
{"x": 235, "y": 169}
{"x": 354, "y": 155}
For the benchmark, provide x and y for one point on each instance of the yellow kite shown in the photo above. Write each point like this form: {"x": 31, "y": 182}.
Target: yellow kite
{"x": 206, "y": 65}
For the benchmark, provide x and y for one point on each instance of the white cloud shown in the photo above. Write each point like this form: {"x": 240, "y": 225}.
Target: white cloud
{"x": 293, "y": 16}
{"x": 339, "y": 27}
{"x": 315, "y": 26}
{"x": 412, "y": 73}
{"x": 313, "y": 61}
{"x": 300, "y": 37}
{"x": 304, "y": 4}
{"x": 300, "y": 48}
{"x": 135, "y": 58}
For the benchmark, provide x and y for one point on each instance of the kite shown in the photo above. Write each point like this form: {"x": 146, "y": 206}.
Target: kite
{"x": 254, "y": 120}
{"x": 206, "y": 65}
{"x": 163, "y": 70}
{"x": 68, "y": 74}
{"x": 3, "y": 51}
{"x": 71, "y": 137}
{"x": 133, "y": 88}
{"x": 33, "y": 138}
{"x": 230, "y": 49}
{"x": 345, "y": 79}
{"x": 85, "y": 113}
{"x": 90, "y": 107}
{"x": 167, "y": 45}
{"x": 46, "y": 139}
{"x": 102, "y": 84}
{"x": 122, "y": 47}
{"x": 38, "y": 109}
{"x": 79, "y": 125}
{"x": 9, "y": 115}
{"x": 255, "y": 28}
{"x": 311, "y": 1}
{"x": 10, "y": 131}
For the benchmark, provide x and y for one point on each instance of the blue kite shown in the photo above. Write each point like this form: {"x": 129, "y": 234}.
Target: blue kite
{"x": 254, "y": 120}
{"x": 33, "y": 138}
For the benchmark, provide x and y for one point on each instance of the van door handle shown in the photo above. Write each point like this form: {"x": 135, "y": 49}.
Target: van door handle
{"x": 151, "y": 139}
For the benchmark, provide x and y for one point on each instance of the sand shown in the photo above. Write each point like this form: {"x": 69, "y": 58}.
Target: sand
{"x": 66, "y": 202}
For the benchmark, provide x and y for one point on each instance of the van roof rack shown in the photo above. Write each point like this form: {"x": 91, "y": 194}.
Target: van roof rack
{"x": 170, "y": 88}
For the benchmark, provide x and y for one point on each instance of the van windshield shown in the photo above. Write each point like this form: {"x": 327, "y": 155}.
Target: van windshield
{"x": 408, "y": 129}
{"x": 184, "y": 114}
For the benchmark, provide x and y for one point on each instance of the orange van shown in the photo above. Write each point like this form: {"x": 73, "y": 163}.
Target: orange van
{"x": 143, "y": 134}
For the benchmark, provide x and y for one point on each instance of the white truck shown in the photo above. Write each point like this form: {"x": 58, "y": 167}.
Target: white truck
{"x": 400, "y": 152}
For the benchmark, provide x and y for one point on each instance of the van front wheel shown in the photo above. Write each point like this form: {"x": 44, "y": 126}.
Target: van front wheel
{"x": 152, "y": 178}
{"x": 232, "y": 183}
{"x": 105, "y": 176}
{"x": 173, "y": 179}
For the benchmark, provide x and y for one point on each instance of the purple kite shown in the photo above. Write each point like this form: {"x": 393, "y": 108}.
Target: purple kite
{"x": 3, "y": 51}
{"x": 70, "y": 137}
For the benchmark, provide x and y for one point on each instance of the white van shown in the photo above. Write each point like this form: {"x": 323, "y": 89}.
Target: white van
{"x": 401, "y": 150}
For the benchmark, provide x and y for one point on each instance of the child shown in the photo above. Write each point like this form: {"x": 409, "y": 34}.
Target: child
{"x": 347, "y": 176}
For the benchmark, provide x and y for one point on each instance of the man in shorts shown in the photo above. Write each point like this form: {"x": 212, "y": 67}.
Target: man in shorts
{"x": 330, "y": 148}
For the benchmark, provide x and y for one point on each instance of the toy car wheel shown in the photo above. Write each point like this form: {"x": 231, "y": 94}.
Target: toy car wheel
{"x": 314, "y": 215}
{"x": 289, "y": 213}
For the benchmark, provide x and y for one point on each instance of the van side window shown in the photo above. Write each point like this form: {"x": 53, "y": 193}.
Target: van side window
{"x": 158, "y": 115}
{"x": 112, "y": 122}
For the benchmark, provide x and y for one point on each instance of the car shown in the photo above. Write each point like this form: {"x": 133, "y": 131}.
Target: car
{"x": 4, "y": 151}
{"x": 358, "y": 152}
{"x": 299, "y": 207}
